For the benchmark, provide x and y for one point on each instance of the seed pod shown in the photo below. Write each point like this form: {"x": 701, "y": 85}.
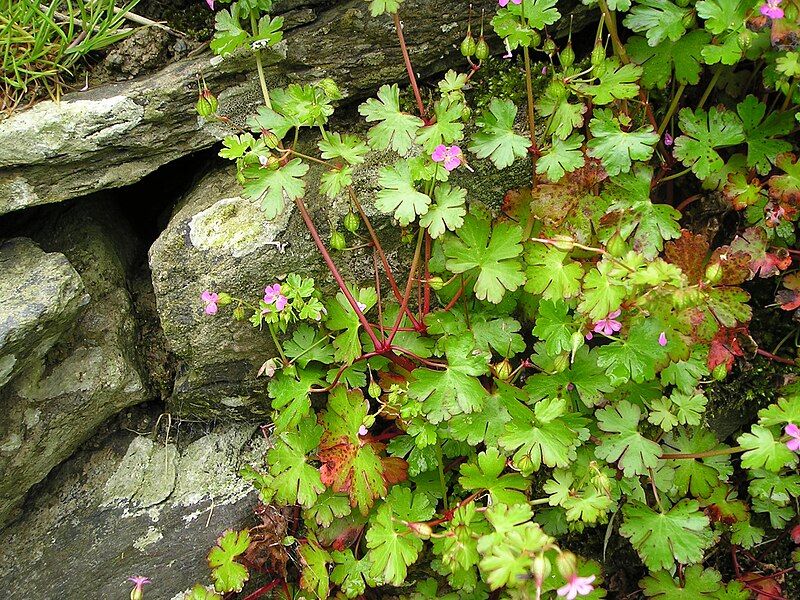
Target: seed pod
{"x": 270, "y": 139}
{"x": 598, "y": 54}
{"x": 482, "y": 49}
{"x": 374, "y": 390}
{"x": 616, "y": 246}
{"x": 714, "y": 273}
{"x": 567, "y": 56}
{"x": 536, "y": 39}
{"x": 503, "y": 370}
{"x": 720, "y": 372}
{"x": 746, "y": 39}
{"x": 466, "y": 113}
{"x": 549, "y": 46}
{"x": 337, "y": 241}
{"x": 330, "y": 89}
{"x": 207, "y": 104}
{"x": 351, "y": 222}
{"x": 435, "y": 283}
{"x": 468, "y": 46}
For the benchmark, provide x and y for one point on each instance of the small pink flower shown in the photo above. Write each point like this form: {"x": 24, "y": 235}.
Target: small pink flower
{"x": 771, "y": 9}
{"x": 668, "y": 139}
{"x": 589, "y": 335}
{"x": 210, "y": 300}
{"x": 451, "y": 156}
{"x": 139, "y": 582}
{"x": 210, "y": 4}
{"x": 608, "y": 325}
{"x": 361, "y": 306}
{"x": 576, "y": 586}
{"x": 662, "y": 339}
{"x": 362, "y": 431}
{"x": 793, "y": 431}
{"x": 504, "y": 3}
{"x": 271, "y": 293}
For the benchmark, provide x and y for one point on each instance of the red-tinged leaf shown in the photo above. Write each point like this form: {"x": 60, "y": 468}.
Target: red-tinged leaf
{"x": 688, "y": 252}
{"x": 786, "y": 187}
{"x": 763, "y": 588}
{"x": 395, "y": 470}
{"x": 795, "y": 534}
{"x": 740, "y": 192}
{"x": 776, "y": 211}
{"x": 517, "y": 204}
{"x": 762, "y": 263}
{"x": 789, "y": 298}
{"x": 735, "y": 265}
{"x": 724, "y": 349}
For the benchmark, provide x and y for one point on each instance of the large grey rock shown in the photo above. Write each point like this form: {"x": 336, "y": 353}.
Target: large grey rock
{"x": 132, "y": 505}
{"x": 114, "y": 135}
{"x": 60, "y": 399}
{"x": 41, "y": 296}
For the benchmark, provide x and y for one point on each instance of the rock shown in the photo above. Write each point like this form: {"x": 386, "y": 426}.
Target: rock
{"x": 41, "y": 294}
{"x": 129, "y": 506}
{"x": 60, "y": 399}
{"x": 145, "y": 50}
{"x": 114, "y": 135}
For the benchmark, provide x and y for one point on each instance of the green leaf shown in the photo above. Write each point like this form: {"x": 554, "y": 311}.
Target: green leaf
{"x": 777, "y": 488}
{"x": 554, "y": 326}
{"x": 564, "y": 117}
{"x": 350, "y": 574}
{"x": 636, "y": 454}
{"x": 456, "y": 389}
{"x": 268, "y": 32}
{"x": 291, "y": 397}
{"x": 447, "y": 212}
{"x": 659, "y": 19}
{"x": 698, "y": 584}
{"x": 760, "y": 133}
{"x": 229, "y": 575}
{"x": 512, "y": 30}
{"x": 308, "y": 344}
{"x": 636, "y": 357}
{"x": 659, "y": 63}
{"x": 764, "y": 451}
{"x": 328, "y": 507}
{"x": 446, "y": 129}
{"x": 551, "y": 274}
{"x": 397, "y": 130}
{"x": 617, "y": 82}
{"x": 537, "y": 13}
{"x": 399, "y": 194}
{"x": 235, "y": 146}
{"x": 704, "y": 133}
{"x": 488, "y": 424}
{"x": 497, "y": 139}
{"x": 563, "y": 156}
{"x": 228, "y": 32}
{"x": 295, "y": 480}
{"x": 685, "y": 374}
{"x": 393, "y": 547}
{"x": 492, "y": 257}
{"x": 314, "y": 561}
{"x": 272, "y": 185}
{"x": 341, "y": 316}
{"x": 617, "y": 149}
{"x": 544, "y": 435}
{"x": 485, "y": 474}
{"x": 724, "y": 15}
{"x": 603, "y": 291}
{"x": 348, "y": 147}
{"x": 661, "y": 539}
{"x": 785, "y": 411}
{"x": 380, "y": 7}
{"x": 199, "y": 592}
{"x": 697, "y": 477}
{"x": 587, "y": 379}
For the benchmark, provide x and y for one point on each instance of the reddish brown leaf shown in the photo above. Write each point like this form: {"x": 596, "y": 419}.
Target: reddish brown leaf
{"x": 765, "y": 588}
{"x": 734, "y": 265}
{"x": 724, "y": 349}
{"x": 762, "y": 263}
{"x": 395, "y": 470}
{"x": 789, "y": 298}
{"x": 688, "y": 252}
{"x": 740, "y": 192}
{"x": 786, "y": 187}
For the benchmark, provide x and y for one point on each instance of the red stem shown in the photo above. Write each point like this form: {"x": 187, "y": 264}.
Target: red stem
{"x": 407, "y": 295}
{"x": 264, "y": 589}
{"x": 341, "y": 370}
{"x": 460, "y": 291}
{"x": 409, "y": 68}
{"x": 776, "y": 358}
{"x": 682, "y": 206}
{"x": 426, "y": 306}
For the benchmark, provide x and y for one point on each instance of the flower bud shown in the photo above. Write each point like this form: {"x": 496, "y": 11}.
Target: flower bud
{"x": 238, "y": 313}
{"x": 746, "y": 38}
{"x": 503, "y": 370}
{"x": 351, "y": 222}
{"x": 270, "y": 139}
{"x": 549, "y": 46}
{"x": 540, "y": 568}
{"x": 563, "y": 243}
{"x": 374, "y": 390}
{"x": 137, "y": 593}
{"x": 536, "y": 39}
{"x": 598, "y": 54}
{"x": 466, "y": 113}
{"x": 224, "y": 299}
{"x": 482, "y": 49}
{"x": 423, "y": 530}
{"x": 468, "y": 46}
{"x": 616, "y": 246}
{"x": 567, "y": 563}
{"x": 435, "y": 283}
{"x": 720, "y": 372}
{"x": 337, "y": 241}
{"x": 207, "y": 104}
{"x": 714, "y": 273}
{"x": 567, "y": 56}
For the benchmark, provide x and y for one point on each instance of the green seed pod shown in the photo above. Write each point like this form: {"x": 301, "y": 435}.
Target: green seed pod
{"x": 337, "y": 241}
{"x": 238, "y": 313}
{"x": 468, "y": 46}
{"x": 482, "y": 49}
{"x": 374, "y": 390}
{"x": 714, "y": 273}
{"x": 406, "y": 237}
{"x": 435, "y": 283}
{"x": 549, "y": 46}
{"x": 351, "y": 222}
{"x": 503, "y": 370}
{"x": 466, "y": 113}
{"x": 746, "y": 39}
{"x": 720, "y": 372}
{"x": 270, "y": 139}
{"x": 567, "y": 56}
{"x": 598, "y": 54}
{"x": 207, "y": 104}
{"x": 536, "y": 39}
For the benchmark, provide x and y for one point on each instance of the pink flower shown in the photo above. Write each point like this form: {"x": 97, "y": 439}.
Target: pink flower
{"x": 576, "y": 586}
{"x": 139, "y": 582}
{"x": 504, "y": 3}
{"x": 771, "y": 9}
{"x": 608, "y": 325}
{"x": 210, "y": 4}
{"x": 668, "y": 140}
{"x": 589, "y": 335}
{"x": 662, "y": 339}
{"x": 210, "y": 300}
{"x": 272, "y": 295}
{"x": 793, "y": 431}
{"x": 451, "y": 156}
{"x": 361, "y": 306}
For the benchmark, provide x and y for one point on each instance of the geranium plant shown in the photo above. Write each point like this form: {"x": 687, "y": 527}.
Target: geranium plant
{"x": 542, "y": 370}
